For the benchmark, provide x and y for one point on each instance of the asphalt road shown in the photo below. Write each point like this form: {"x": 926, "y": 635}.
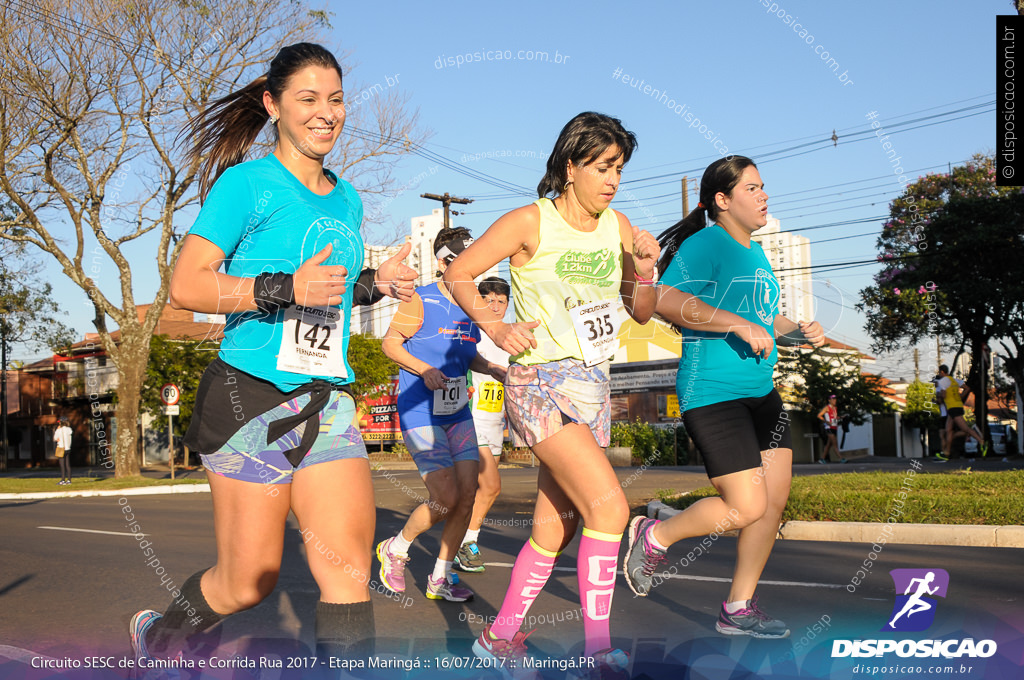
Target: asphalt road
{"x": 71, "y": 576}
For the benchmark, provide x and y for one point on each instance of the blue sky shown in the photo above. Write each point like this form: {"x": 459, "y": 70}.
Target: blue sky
{"x": 747, "y": 74}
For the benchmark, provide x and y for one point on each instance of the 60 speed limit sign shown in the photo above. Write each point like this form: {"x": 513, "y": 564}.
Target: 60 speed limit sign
{"x": 169, "y": 394}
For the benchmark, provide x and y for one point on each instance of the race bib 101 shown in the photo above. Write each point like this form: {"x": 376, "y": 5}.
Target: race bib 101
{"x": 451, "y": 398}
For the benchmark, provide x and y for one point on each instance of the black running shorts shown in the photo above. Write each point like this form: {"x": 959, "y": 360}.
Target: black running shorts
{"x": 732, "y": 434}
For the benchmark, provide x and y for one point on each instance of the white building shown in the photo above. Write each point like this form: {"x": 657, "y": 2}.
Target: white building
{"x": 375, "y": 319}
{"x": 790, "y": 258}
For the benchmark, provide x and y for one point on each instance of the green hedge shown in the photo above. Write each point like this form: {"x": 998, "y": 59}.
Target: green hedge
{"x": 652, "y": 445}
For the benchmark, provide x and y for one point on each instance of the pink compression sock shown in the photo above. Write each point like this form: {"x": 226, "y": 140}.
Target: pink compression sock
{"x": 598, "y": 557}
{"x": 531, "y": 571}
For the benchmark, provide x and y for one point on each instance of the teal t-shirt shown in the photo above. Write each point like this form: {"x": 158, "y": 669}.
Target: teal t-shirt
{"x": 265, "y": 220}
{"x": 717, "y": 367}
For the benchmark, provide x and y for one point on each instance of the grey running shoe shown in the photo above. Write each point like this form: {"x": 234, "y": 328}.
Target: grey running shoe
{"x": 509, "y": 656}
{"x": 468, "y": 558}
{"x": 750, "y": 621}
{"x": 448, "y": 589}
{"x": 641, "y": 558}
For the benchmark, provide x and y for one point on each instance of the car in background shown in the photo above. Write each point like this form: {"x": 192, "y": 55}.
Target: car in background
{"x": 1000, "y": 432}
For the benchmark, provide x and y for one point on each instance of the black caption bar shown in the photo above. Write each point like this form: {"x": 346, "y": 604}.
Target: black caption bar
{"x": 1009, "y": 150}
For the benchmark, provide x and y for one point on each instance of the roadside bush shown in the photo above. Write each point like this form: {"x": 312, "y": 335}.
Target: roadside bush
{"x": 651, "y": 445}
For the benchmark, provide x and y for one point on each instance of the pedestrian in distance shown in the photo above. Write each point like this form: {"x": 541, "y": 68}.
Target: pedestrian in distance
{"x": 829, "y": 417}
{"x": 718, "y": 287}
{"x": 952, "y": 392}
{"x": 434, "y": 344}
{"x": 62, "y": 443}
{"x": 488, "y": 407}
{"x": 571, "y": 259}
{"x": 277, "y": 247}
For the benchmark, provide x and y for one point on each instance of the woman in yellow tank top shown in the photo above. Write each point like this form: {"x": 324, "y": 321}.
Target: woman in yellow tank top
{"x": 571, "y": 258}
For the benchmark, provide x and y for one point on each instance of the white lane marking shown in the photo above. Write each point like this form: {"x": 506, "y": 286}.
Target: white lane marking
{"x": 93, "y": 531}
{"x": 22, "y": 655}
{"x": 686, "y": 577}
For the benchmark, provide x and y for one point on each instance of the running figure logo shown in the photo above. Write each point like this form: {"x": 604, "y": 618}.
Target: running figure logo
{"x": 914, "y": 610}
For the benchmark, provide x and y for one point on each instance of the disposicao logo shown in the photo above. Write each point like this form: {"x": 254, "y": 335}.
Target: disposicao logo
{"x": 914, "y": 610}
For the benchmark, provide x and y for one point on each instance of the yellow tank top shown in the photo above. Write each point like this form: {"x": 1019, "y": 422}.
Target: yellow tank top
{"x": 953, "y": 394}
{"x": 570, "y": 268}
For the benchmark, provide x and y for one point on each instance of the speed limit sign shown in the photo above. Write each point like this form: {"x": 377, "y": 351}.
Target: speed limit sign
{"x": 169, "y": 394}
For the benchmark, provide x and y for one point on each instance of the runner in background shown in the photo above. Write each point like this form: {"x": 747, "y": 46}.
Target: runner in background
{"x": 953, "y": 391}
{"x": 571, "y": 259}
{"x": 829, "y": 417}
{"x": 434, "y": 344}
{"x": 488, "y": 405}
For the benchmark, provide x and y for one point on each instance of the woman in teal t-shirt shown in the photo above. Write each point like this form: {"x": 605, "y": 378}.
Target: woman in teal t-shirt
{"x": 277, "y": 248}
{"x": 718, "y": 286}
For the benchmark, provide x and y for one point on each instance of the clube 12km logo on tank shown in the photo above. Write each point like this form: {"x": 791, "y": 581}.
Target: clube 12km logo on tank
{"x": 914, "y": 610}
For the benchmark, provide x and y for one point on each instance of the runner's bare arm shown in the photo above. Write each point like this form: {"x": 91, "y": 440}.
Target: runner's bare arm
{"x": 639, "y": 256}
{"x": 513, "y": 236}
{"x": 407, "y": 321}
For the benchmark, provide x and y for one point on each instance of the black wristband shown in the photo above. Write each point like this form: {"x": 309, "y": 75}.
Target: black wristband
{"x": 366, "y": 292}
{"x": 271, "y": 292}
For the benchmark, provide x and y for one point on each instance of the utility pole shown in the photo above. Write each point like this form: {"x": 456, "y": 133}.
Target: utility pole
{"x": 447, "y": 200}
{"x": 686, "y": 198}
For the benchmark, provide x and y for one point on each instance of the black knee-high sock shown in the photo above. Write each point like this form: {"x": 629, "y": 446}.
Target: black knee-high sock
{"x": 188, "y": 614}
{"x": 344, "y": 630}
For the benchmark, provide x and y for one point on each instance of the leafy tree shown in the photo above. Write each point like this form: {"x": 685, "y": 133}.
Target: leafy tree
{"x": 922, "y": 410}
{"x": 373, "y": 369}
{"x": 951, "y": 254}
{"x": 28, "y": 313}
{"x": 814, "y": 375}
{"x": 182, "y": 363}
{"x": 92, "y": 99}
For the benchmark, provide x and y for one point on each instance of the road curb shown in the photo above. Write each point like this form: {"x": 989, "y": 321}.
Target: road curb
{"x": 134, "y": 491}
{"x": 973, "y": 535}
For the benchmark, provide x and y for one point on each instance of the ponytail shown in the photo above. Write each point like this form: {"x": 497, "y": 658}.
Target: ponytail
{"x": 673, "y": 237}
{"x": 721, "y": 177}
{"x": 223, "y": 134}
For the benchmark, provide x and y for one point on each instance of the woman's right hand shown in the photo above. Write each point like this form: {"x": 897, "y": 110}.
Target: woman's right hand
{"x": 515, "y": 338}
{"x": 318, "y": 285}
{"x": 760, "y": 340}
{"x": 433, "y": 378}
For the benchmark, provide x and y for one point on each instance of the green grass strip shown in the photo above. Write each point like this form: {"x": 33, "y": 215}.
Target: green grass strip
{"x": 87, "y": 484}
{"x": 959, "y": 497}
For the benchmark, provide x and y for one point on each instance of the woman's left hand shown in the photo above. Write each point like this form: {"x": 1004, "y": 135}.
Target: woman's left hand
{"x": 395, "y": 278}
{"x": 814, "y": 333}
{"x": 645, "y": 253}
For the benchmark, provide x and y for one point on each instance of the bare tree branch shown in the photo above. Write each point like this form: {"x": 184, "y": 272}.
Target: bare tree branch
{"x": 93, "y": 96}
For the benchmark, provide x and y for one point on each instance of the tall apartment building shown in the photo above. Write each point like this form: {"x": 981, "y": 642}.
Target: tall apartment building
{"x": 790, "y": 258}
